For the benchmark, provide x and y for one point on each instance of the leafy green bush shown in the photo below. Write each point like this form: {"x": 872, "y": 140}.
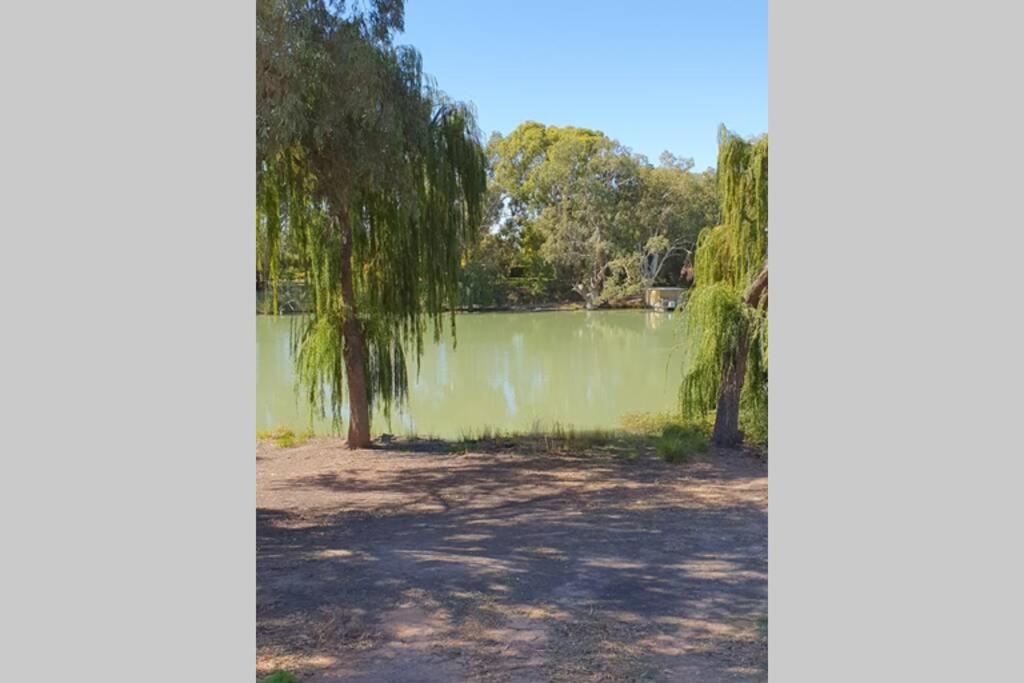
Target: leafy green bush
{"x": 280, "y": 677}
{"x": 754, "y": 414}
{"x": 678, "y": 442}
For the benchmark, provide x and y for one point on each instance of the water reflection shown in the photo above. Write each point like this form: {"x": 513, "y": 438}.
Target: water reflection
{"x": 580, "y": 368}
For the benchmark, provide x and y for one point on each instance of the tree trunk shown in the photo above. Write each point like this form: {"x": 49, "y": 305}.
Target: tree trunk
{"x": 758, "y": 290}
{"x": 354, "y": 349}
{"x": 727, "y": 415}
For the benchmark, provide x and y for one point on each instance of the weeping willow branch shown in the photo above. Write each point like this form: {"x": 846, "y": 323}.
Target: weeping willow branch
{"x": 407, "y": 238}
{"x": 725, "y": 319}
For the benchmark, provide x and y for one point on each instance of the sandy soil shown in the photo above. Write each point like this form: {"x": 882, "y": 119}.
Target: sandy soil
{"x": 411, "y": 564}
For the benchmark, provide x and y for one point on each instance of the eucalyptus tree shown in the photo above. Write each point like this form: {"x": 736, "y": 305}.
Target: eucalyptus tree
{"x": 675, "y": 205}
{"x": 662, "y": 226}
{"x": 726, "y": 316}
{"x": 670, "y": 160}
{"x": 593, "y": 191}
{"x": 381, "y": 178}
{"x": 574, "y": 187}
{"x": 608, "y": 220}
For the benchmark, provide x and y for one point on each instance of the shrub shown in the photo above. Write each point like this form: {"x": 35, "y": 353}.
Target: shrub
{"x": 678, "y": 442}
{"x": 280, "y": 677}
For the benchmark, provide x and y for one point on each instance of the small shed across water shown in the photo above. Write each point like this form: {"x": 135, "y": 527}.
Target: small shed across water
{"x": 663, "y": 298}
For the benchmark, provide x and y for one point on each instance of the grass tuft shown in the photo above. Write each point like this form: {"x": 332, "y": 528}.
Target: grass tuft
{"x": 280, "y": 677}
{"x": 678, "y": 442}
{"x": 647, "y": 424}
{"x": 284, "y": 437}
{"x": 555, "y": 439}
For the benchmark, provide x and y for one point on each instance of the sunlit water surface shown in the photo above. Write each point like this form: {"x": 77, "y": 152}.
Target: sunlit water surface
{"x": 509, "y": 372}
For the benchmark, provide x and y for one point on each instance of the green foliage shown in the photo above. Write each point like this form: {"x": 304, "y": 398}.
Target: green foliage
{"x": 754, "y": 400}
{"x": 675, "y": 438}
{"x": 643, "y": 434}
{"x": 677, "y": 443}
{"x": 586, "y": 183}
{"x": 653, "y": 424}
{"x": 743, "y": 183}
{"x": 280, "y": 677}
{"x": 605, "y": 222}
{"x": 357, "y": 147}
{"x": 673, "y": 208}
{"x": 647, "y": 423}
{"x": 661, "y": 225}
{"x": 284, "y": 437}
{"x": 554, "y": 439}
{"x": 717, "y": 323}
{"x": 483, "y": 274}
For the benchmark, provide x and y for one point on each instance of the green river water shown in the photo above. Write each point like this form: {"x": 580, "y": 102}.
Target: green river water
{"x": 510, "y": 372}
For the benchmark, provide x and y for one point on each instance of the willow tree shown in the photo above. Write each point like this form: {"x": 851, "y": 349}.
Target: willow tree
{"x": 726, "y": 316}
{"x": 379, "y": 177}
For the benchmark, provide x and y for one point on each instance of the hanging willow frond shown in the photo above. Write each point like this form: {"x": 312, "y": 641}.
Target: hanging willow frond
{"x": 412, "y": 205}
{"x": 727, "y": 260}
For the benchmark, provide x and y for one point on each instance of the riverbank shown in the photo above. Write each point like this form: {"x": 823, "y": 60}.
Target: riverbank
{"x": 498, "y": 562}
{"x": 535, "y": 308}
{"x": 290, "y": 308}
{"x": 293, "y": 298}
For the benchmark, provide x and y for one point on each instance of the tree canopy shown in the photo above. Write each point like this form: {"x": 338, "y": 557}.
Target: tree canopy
{"x": 603, "y": 218}
{"x": 726, "y": 317}
{"x": 380, "y": 178}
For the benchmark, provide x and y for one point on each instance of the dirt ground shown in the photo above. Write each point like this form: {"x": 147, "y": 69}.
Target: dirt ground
{"x": 413, "y": 564}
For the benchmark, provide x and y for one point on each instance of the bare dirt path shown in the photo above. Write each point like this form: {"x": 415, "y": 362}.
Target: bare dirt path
{"x": 412, "y": 565}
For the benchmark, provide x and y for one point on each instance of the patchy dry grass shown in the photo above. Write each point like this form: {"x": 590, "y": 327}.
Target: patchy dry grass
{"x": 284, "y": 437}
{"x": 647, "y": 424}
{"x": 555, "y": 440}
{"x": 647, "y": 433}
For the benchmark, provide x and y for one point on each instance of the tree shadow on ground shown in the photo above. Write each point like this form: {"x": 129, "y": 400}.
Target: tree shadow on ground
{"x": 519, "y": 567}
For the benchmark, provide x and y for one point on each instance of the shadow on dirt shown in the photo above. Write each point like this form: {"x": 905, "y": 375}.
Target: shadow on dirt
{"x": 520, "y": 568}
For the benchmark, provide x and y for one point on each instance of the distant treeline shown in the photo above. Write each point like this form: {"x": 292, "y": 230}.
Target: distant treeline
{"x": 571, "y": 216}
{"x": 574, "y": 215}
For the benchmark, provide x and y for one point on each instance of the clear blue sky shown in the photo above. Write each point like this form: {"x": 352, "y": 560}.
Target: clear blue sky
{"x": 653, "y": 74}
